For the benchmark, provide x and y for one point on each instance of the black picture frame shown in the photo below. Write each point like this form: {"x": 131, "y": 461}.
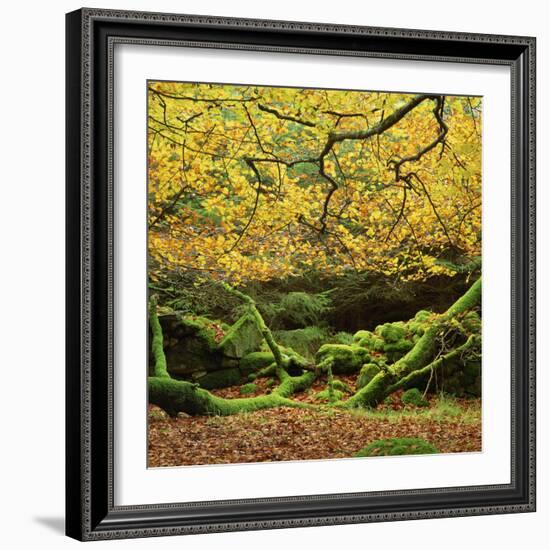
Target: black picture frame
{"x": 90, "y": 512}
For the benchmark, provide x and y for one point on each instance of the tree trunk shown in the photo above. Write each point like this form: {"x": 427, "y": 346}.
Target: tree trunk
{"x": 420, "y": 356}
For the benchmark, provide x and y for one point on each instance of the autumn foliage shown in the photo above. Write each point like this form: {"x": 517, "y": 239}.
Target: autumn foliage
{"x": 254, "y": 183}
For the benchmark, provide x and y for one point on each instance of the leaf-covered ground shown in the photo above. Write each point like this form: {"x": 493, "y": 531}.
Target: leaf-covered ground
{"x": 451, "y": 425}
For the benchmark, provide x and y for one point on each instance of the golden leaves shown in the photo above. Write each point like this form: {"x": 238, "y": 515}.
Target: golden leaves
{"x": 238, "y": 192}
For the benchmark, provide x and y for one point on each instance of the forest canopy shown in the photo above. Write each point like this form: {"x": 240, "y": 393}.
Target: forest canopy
{"x": 255, "y": 183}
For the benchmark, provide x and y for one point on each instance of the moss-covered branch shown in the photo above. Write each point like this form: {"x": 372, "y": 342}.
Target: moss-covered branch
{"x": 262, "y": 327}
{"x": 160, "y": 368}
{"x": 418, "y": 357}
{"x": 411, "y": 378}
{"x": 179, "y": 396}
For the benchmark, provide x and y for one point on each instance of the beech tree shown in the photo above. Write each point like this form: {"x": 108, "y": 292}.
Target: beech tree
{"x": 257, "y": 183}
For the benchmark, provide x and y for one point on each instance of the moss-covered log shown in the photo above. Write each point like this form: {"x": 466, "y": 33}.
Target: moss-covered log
{"x": 420, "y": 356}
{"x": 409, "y": 380}
{"x": 179, "y": 396}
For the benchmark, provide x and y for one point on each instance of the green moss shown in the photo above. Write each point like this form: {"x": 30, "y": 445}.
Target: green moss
{"x": 264, "y": 331}
{"x": 341, "y": 386}
{"x": 397, "y": 446}
{"x": 175, "y": 396}
{"x": 363, "y": 338}
{"x": 248, "y": 388}
{"x": 377, "y": 344}
{"x": 345, "y": 359}
{"x": 160, "y": 367}
{"x": 418, "y": 324}
{"x": 423, "y": 316}
{"x": 270, "y": 382}
{"x": 220, "y": 379}
{"x": 392, "y": 332}
{"x": 472, "y": 322}
{"x": 201, "y": 327}
{"x": 413, "y": 396}
{"x": 396, "y": 350}
{"x": 255, "y": 361}
{"x": 372, "y": 393}
{"x": 292, "y": 384}
{"x": 242, "y": 338}
{"x": 325, "y": 395}
{"x": 306, "y": 341}
{"x": 366, "y": 374}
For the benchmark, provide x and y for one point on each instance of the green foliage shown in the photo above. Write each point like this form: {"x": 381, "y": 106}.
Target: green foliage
{"x": 397, "y": 446}
{"x": 249, "y": 388}
{"x": 341, "y": 338}
{"x": 414, "y": 397}
{"x": 296, "y": 310}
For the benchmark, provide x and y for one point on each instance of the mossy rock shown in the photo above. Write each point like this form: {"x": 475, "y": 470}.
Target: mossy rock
{"x": 220, "y": 379}
{"x": 377, "y": 343}
{"x": 366, "y": 374}
{"x": 247, "y": 389}
{"x": 392, "y": 332}
{"x": 396, "y": 350}
{"x": 242, "y": 338}
{"x": 189, "y": 345}
{"x": 346, "y": 359}
{"x": 423, "y": 316}
{"x": 341, "y": 386}
{"x": 397, "y": 446}
{"x": 418, "y": 324}
{"x": 414, "y": 397}
{"x": 363, "y": 338}
{"x": 305, "y": 341}
{"x": 201, "y": 326}
{"x": 324, "y": 395}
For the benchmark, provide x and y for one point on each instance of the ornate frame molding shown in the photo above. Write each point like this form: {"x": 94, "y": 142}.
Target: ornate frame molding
{"x": 91, "y": 36}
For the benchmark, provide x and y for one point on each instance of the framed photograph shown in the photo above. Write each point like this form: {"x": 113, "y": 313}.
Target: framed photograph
{"x": 300, "y": 274}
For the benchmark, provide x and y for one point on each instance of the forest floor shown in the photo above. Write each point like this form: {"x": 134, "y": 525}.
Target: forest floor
{"x": 450, "y": 424}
